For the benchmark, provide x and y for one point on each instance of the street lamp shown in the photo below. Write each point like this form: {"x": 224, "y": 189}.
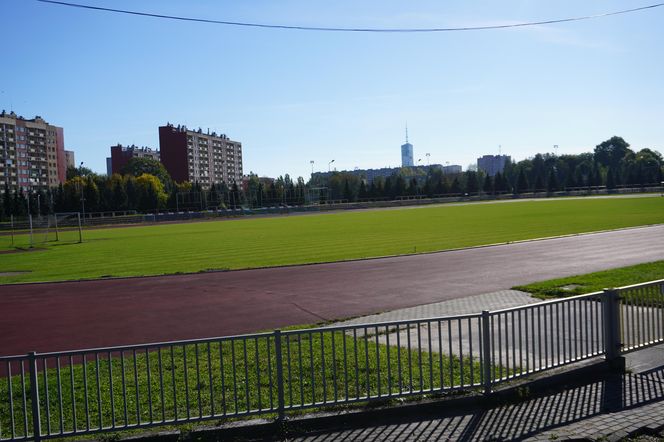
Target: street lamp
{"x": 328, "y": 165}
{"x": 80, "y": 171}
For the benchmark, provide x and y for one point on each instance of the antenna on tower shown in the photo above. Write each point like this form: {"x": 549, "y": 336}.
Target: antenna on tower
{"x": 406, "y": 132}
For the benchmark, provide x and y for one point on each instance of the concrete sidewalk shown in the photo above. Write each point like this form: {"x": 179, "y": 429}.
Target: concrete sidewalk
{"x": 608, "y": 409}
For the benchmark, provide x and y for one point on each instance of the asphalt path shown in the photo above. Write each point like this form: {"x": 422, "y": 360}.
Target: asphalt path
{"x": 75, "y": 315}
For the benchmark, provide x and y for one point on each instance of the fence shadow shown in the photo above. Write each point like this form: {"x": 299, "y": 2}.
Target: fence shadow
{"x": 574, "y": 408}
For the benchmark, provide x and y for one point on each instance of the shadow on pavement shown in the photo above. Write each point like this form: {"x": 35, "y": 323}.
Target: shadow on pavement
{"x": 618, "y": 404}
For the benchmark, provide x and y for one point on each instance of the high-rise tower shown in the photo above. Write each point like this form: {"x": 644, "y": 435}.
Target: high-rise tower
{"x": 407, "y": 152}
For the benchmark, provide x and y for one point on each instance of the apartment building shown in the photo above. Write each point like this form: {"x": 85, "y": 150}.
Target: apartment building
{"x": 70, "y": 159}
{"x": 32, "y": 153}
{"x": 493, "y": 164}
{"x": 120, "y": 155}
{"x": 197, "y": 156}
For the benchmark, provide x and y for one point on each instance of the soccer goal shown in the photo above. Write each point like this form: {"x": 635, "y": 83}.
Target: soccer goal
{"x": 40, "y": 231}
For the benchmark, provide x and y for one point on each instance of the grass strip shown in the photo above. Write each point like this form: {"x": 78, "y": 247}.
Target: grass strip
{"x": 592, "y": 282}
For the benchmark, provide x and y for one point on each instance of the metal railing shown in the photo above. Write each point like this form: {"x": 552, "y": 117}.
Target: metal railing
{"x": 50, "y": 395}
{"x": 642, "y": 315}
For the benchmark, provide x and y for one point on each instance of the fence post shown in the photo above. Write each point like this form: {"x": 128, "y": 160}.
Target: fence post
{"x": 611, "y": 312}
{"x": 34, "y": 397}
{"x": 280, "y": 376}
{"x": 486, "y": 351}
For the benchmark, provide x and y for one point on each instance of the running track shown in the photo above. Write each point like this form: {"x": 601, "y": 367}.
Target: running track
{"x": 73, "y": 315}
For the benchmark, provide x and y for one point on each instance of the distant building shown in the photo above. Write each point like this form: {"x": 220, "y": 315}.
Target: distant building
{"x": 451, "y": 169}
{"x": 120, "y": 155}
{"x": 70, "y": 158}
{"x": 492, "y": 164}
{"x": 370, "y": 175}
{"x": 407, "y": 155}
{"x": 109, "y": 166}
{"x": 32, "y": 153}
{"x": 195, "y": 156}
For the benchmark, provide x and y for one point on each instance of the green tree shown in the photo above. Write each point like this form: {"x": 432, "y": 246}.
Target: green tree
{"x": 610, "y": 178}
{"x": 119, "y": 192}
{"x": 521, "y": 182}
{"x": 151, "y": 192}
{"x": 472, "y": 186}
{"x": 7, "y": 201}
{"x": 348, "y": 194}
{"x": 138, "y": 166}
{"x": 73, "y": 172}
{"x": 455, "y": 188}
{"x": 552, "y": 182}
{"x": 612, "y": 151}
{"x": 539, "y": 183}
{"x": 91, "y": 194}
{"x": 488, "y": 185}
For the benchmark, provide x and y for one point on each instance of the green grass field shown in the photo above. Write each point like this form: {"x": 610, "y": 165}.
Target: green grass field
{"x": 229, "y": 377}
{"x": 593, "y": 282}
{"x": 263, "y": 242}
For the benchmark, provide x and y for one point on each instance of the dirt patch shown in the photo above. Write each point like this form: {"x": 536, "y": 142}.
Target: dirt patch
{"x": 570, "y": 287}
{"x": 19, "y": 250}
{"x": 22, "y": 272}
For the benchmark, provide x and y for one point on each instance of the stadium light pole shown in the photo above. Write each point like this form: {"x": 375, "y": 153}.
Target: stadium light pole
{"x": 80, "y": 171}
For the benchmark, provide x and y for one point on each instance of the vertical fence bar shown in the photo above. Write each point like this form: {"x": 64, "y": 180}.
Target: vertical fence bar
{"x": 34, "y": 398}
{"x": 486, "y": 351}
{"x": 280, "y": 376}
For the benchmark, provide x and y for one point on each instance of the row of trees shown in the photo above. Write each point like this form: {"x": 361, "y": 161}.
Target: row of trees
{"x": 612, "y": 164}
{"x": 146, "y": 186}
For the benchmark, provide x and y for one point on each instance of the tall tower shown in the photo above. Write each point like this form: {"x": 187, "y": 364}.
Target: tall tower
{"x": 407, "y": 152}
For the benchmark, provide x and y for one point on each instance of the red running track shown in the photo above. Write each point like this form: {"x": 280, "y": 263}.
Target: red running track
{"x": 75, "y": 315}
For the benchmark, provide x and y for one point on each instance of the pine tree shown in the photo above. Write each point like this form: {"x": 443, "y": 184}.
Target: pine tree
{"x": 610, "y": 178}
{"x": 539, "y": 183}
{"x": 7, "y": 201}
{"x": 456, "y": 186}
{"x": 362, "y": 193}
{"x": 488, "y": 185}
{"x": 521, "y": 182}
{"x": 348, "y": 194}
{"x": 552, "y": 182}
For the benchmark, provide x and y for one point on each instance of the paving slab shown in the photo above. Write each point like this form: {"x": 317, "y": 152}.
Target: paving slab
{"x": 607, "y": 409}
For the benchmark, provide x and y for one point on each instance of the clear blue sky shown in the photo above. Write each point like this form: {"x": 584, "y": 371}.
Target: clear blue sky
{"x": 293, "y": 96}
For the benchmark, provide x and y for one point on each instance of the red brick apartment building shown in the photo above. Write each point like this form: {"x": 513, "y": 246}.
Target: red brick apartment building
{"x": 195, "y": 156}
